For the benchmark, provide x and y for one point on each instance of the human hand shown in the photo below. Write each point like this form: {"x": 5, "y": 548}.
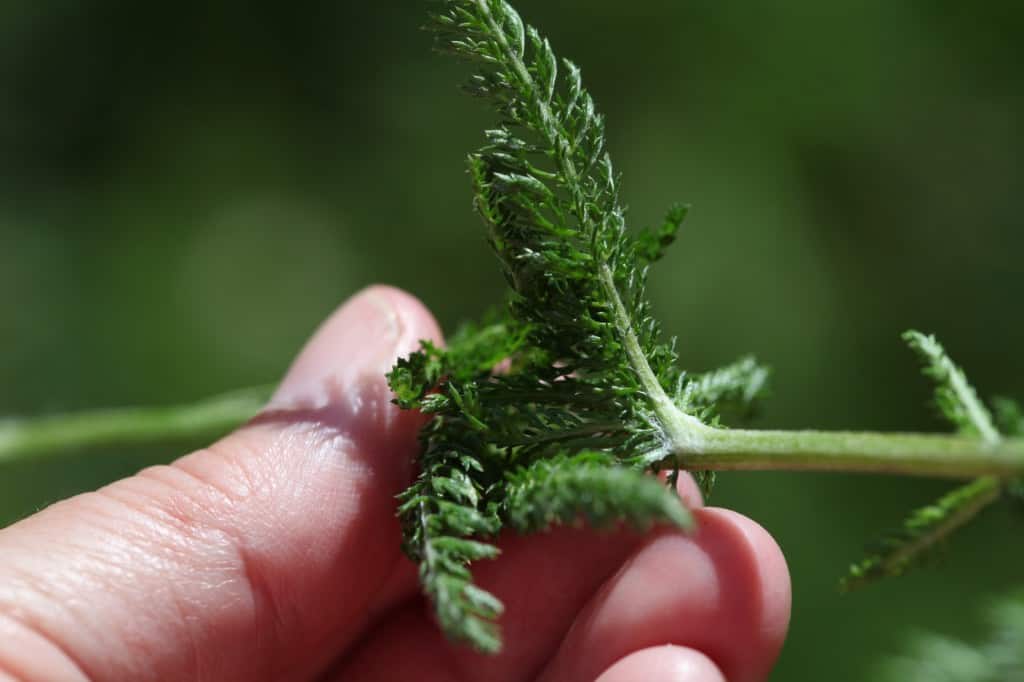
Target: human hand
{"x": 274, "y": 555}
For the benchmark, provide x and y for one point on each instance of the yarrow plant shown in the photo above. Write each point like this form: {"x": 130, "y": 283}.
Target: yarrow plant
{"x": 558, "y": 409}
{"x": 589, "y": 398}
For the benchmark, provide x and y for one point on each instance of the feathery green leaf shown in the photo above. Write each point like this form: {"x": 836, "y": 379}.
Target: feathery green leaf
{"x": 1009, "y": 417}
{"x": 562, "y": 489}
{"x": 733, "y": 390}
{"x": 544, "y": 440}
{"x": 954, "y": 395}
{"x": 928, "y": 526}
{"x": 925, "y": 528}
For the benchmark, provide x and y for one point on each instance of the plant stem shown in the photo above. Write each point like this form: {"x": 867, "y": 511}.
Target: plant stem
{"x": 22, "y": 439}
{"x": 887, "y": 453}
{"x": 693, "y": 446}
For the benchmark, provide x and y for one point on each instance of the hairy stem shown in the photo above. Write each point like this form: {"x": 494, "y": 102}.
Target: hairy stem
{"x": 888, "y": 453}
{"x": 141, "y": 426}
{"x": 695, "y": 446}
{"x": 692, "y": 445}
{"x": 681, "y": 430}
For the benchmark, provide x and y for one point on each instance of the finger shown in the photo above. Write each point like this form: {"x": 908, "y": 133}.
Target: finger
{"x": 543, "y": 580}
{"x": 689, "y": 491}
{"x": 664, "y": 664}
{"x": 724, "y": 592}
{"x": 253, "y": 559}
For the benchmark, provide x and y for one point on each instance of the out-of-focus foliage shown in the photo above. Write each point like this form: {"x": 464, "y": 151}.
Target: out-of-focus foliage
{"x": 185, "y": 193}
{"x": 935, "y": 658}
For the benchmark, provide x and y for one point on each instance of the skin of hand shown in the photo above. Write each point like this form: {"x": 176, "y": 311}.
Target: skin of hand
{"x": 274, "y": 555}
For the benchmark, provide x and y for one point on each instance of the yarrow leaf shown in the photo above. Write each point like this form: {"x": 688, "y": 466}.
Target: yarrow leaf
{"x": 955, "y": 398}
{"x": 912, "y": 544}
{"x": 560, "y": 490}
{"x": 566, "y": 427}
{"x": 915, "y": 541}
{"x": 733, "y": 390}
{"x": 1009, "y": 417}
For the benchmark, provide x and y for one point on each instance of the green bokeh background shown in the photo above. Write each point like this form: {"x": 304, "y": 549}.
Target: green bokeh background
{"x": 185, "y": 192}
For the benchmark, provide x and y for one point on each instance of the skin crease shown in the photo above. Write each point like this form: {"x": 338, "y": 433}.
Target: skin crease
{"x": 273, "y": 555}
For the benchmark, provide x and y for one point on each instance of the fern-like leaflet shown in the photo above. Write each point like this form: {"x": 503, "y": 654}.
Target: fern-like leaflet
{"x": 567, "y": 430}
{"x": 929, "y": 526}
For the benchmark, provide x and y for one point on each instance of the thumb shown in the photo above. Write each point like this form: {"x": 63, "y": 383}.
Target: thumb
{"x": 260, "y": 557}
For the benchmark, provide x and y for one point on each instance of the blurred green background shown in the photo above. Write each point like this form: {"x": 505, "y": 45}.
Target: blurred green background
{"x": 186, "y": 191}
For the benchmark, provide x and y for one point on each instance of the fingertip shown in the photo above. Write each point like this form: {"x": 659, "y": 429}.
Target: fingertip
{"x": 689, "y": 491}
{"x": 357, "y": 344}
{"x": 340, "y": 375}
{"x": 724, "y": 591}
{"x": 664, "y": 664}
{"x": 419, "y": 322}
{"x": 748, "y": 555}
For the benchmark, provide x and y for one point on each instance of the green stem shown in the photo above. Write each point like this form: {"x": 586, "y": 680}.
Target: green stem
{"x": 694, "y": 446}
{"x": 888, "y": 453}
{"x": 682, "y": 430}
{"x": 22, "y": 439}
